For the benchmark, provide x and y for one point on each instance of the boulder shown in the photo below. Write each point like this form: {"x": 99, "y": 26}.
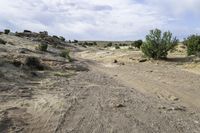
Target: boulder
{"x": 27, "y": 31}
{"x": 43, "y": 34}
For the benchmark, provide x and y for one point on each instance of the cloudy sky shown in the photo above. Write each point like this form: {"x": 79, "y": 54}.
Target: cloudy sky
{"x": 101, "y": 19}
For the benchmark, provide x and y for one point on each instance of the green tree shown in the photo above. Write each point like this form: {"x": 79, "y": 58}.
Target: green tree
{"x": 193, "y": 44}
{"x": 137, "y": 43}
{"x": 157, "y": 44}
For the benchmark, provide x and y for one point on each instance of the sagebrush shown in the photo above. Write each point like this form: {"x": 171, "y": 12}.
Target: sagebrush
{"x": 157, "y": 44}
{"x": 66, "y": 54}
{"x": 137, "y": 44}
{"x": 42, "y": 46}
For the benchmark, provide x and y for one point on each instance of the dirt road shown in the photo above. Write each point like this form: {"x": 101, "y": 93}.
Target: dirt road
{"x": 165, "y": 80}
{"x": 95, "y": 102}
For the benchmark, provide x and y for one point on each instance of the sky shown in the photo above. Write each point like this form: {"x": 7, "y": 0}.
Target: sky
{"x": 101, "y": 19}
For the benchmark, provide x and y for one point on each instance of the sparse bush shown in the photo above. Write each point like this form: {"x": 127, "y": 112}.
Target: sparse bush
{"x": 55, "y": 37}
{"x": 117, "y": 47}
{"x": 124, "y": 44}
{"x": 137, "y": 44}
{"x": 75, "y": 41}
{"x": 130, "y": 48}
{"x": 95, "y": 43}
{"x": 85, "y": 43}
{"x": 62, "y": 38}
{"x": 65, "y": 54}
{"x": 34, "y": 62}
{"x": 109, "y": 44}
{"x": 193, "y": 45}
{"x": 157, "y": 44}
{"x": 80, "y": 43}
{"x": 42, "y": 47}
{"x": 90, "y": 44}
{"x": 6, "y": 31}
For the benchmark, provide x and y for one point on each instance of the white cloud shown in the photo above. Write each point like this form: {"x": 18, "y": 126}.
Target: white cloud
{"x": 96, "y": 19}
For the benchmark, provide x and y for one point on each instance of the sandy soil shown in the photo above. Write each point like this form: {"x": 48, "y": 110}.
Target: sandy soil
{"x": 123, "y": 97}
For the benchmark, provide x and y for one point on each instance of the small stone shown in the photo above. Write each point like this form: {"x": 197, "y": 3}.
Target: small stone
{"x": 115, "y": 61}
{"x": 173, "y": 98}
{"x": 120, "y": 105}
{"x": 162, "y": 107}
{"x": 142, "y": 60}
{"x": 122, "y": 63}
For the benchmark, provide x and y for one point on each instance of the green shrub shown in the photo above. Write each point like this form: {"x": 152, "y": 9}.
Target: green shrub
{"x": 124, "y": 44}
{"x": 109, "y": 44}
{"x": 80, "y": 43}
{"x": 34, "y": 62}
{"x": 6, "y": 31}
{"x": 62, "y": 38}
{"x": 85, "y": 43}
{"x": 66, "y": 54}
{"x": 90, "y": 44}
{"x": 117, "y": 47}
{"x": 137, "y": 44}
{"x": 95, "y": 43}
{"x": 42, "y": 46}
{"x": 130, "y": 48}
{"x": 75, "y": 41}
{"x": 193, "y": 45}
{"x": 157, "y": 44}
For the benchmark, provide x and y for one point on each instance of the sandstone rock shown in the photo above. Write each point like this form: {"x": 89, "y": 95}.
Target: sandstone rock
{"x": 27, "y": 31}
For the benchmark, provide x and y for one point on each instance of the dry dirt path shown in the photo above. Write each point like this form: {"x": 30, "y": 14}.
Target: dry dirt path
{"x": 93, "y": 102}
{"x": 164, "y": 80}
